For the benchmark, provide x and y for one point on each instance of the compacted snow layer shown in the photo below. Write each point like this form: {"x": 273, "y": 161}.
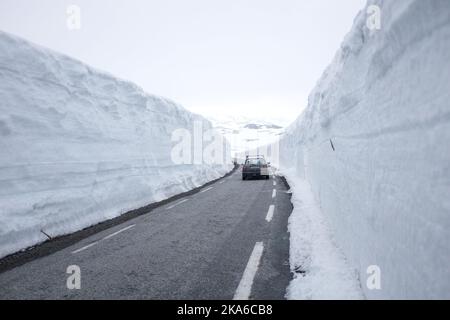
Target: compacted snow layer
{"x": 79, "y": 146}
{"x": 373, "y": 144}
{"x": 320, "y": 268}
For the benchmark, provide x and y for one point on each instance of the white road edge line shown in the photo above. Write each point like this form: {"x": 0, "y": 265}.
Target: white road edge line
{"x": 244, "y": 289}
{"x": 176, "y": 204}
{"x": 207, "y": 189}
{"x": 270, "y": 213}
{"x": 85, "y": 247}
{"x": 117, "y": 232}
{"x": 274, "y": 193}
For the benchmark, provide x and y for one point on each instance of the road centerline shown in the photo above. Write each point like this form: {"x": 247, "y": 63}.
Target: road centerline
{"x": 270, "y": 212}
{"x": 244, "y": 289}
{"x": 274, "y": 193}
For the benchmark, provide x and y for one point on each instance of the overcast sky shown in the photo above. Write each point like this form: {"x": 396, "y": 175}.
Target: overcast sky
{"x": 250, "y": 57}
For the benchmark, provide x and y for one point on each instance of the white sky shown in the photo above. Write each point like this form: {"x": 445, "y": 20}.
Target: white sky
{"x": 258, "y": 58}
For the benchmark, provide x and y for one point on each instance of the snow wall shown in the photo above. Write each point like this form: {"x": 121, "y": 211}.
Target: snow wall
{"x": 79, "y": 146}
{"x": 374, "y": 144}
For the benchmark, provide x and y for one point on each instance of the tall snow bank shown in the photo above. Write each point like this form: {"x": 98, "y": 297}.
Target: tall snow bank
{"x": 79, "y": 146}
{"x": 373, "y": 144}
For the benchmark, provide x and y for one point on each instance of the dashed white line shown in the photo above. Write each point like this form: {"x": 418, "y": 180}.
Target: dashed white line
{"x": 176, "y": 204}
{"x": 269, "y": 215}
{"x": 274, "y": 193}
{"x": 274, "y": 183}
{"x": 117, "y": 232}
{"x": 207, "y": 189}
{"x": 85, "y": 247}
{"x": 244, "y": 289}
{"x": 105, "y": 238}
{"x": 221, "y": 182}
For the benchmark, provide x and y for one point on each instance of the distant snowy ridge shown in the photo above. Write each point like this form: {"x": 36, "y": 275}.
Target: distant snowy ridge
{"x": 373, "y": 144}
{"x": 246, "y": 134}
{"x": 79, "y": 146}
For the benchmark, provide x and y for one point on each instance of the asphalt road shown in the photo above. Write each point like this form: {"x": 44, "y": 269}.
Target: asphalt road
{"x": 223, "y": 242}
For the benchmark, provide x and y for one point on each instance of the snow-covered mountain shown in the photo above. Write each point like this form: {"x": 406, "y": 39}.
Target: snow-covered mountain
{"x": 246, "y": 133}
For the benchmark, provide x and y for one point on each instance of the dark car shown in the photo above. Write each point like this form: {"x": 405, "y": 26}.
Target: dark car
{"x": 255, "y": 167}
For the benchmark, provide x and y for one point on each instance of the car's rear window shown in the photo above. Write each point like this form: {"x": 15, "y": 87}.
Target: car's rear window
{"x": 255, "y": 162}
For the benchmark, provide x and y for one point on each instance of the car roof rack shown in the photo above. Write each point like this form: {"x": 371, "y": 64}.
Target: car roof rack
{"x": 258, "y": 156}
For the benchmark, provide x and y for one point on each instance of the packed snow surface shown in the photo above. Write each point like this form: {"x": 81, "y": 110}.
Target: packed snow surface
{"x": 79, "y": 146}
{"x": 373, "y": 148}
{"x": 320, "y": 268}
